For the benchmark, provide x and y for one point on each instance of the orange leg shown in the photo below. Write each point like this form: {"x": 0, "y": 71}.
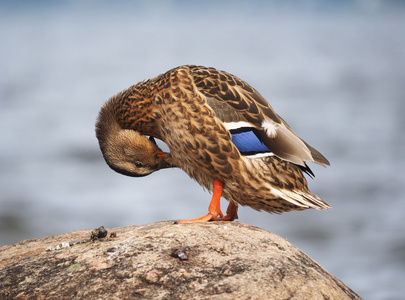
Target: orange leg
{"x": 214, "y": 209}
{"x": 231, "y": 212}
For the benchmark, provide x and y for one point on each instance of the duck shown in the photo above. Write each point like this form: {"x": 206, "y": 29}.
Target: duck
{"x": 220, "y": 131}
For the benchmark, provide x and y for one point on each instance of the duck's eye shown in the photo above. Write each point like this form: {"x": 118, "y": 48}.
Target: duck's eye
{"x": 138, "y": 164}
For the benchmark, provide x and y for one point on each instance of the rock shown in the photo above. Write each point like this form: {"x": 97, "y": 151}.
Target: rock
{"x": 216, "y": 260}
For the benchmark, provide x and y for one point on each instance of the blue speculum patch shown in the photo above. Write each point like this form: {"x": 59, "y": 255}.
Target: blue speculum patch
{"x": 248, "y": 142}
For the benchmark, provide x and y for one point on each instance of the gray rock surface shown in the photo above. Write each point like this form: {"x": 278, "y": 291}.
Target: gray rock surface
{"x": 216, "y": 260}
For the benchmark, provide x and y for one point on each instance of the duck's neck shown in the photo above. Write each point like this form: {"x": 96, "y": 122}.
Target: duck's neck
{"x": 131, "y": 109}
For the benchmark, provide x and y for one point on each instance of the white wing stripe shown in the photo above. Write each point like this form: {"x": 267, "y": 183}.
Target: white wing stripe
{"x": 236, "y": 125}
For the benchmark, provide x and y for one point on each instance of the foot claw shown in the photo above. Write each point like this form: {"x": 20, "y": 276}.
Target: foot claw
{"x": 207, "y": 218}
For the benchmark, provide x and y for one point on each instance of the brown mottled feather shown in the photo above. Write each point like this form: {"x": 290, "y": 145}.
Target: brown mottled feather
{"x": 186, "y": 107}
{"x": 252, "y": 107}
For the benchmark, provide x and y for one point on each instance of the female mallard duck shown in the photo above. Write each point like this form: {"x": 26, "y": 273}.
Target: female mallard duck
{"x": 219, "y": 130}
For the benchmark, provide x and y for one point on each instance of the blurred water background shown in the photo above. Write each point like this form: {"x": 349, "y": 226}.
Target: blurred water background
{"x": 335, "y": 70}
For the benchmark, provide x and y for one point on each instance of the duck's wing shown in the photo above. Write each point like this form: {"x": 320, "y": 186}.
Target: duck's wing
{"x": 242, "y": 109}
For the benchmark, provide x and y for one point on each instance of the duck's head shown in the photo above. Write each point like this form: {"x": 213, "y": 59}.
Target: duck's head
{"x": 133, "y": 154}
{"x": 127, "y": 151}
